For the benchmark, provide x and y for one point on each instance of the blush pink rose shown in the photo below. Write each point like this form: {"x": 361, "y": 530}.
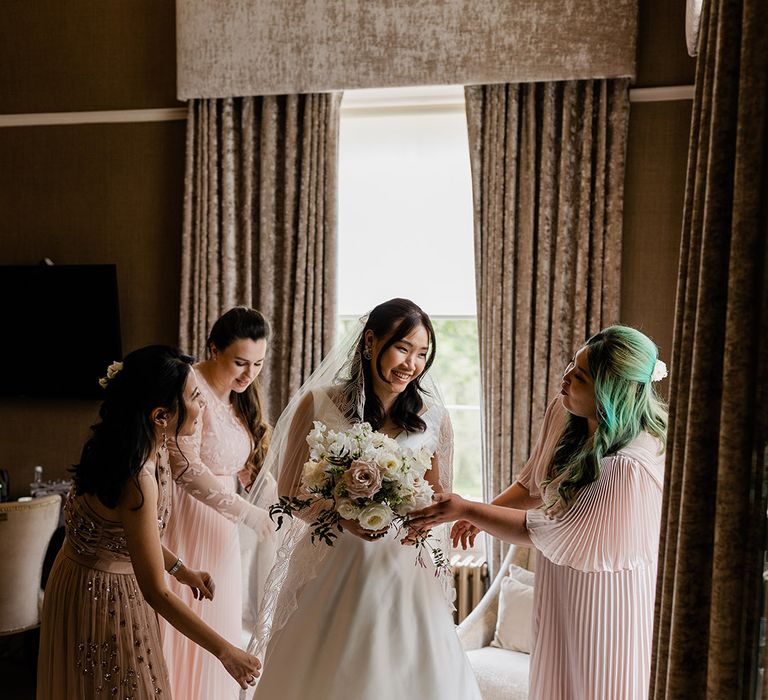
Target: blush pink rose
{"x": 362, "y": 479}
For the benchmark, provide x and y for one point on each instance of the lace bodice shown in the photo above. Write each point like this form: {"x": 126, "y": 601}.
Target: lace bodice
{"x": 91, "y": 535}
{"x": 206, "y": 463}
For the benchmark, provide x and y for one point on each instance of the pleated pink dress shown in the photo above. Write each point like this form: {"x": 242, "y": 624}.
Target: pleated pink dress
{"x": 204, "y": 533}
{"x": 99, "y": 638}
{"x": 596, "y": 576}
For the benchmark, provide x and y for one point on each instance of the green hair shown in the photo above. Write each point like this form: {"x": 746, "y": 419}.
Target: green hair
{"x": 621, "y": 361}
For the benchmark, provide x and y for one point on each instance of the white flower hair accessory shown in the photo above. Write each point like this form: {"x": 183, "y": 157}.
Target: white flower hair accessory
{"x": 112, "y": 370}
{"x": 659, "y": 371}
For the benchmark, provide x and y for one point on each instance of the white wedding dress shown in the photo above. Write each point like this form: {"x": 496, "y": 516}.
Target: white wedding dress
{"x": 370, "y": 624}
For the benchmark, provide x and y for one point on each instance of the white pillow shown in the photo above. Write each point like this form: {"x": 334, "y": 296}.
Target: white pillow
{"x": 513, "y": 623}
{"x": 523, "y": 575}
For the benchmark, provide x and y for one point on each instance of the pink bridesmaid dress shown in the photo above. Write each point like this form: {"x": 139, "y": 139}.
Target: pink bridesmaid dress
{"x": 596, "y": 576}
{"x": 99, "y": 638}
{"x": 204, "y": 533}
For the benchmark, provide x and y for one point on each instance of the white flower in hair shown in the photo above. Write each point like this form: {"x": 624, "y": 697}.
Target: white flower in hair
{"x": 112, "y": 370}
{"x": 659, "y": 371}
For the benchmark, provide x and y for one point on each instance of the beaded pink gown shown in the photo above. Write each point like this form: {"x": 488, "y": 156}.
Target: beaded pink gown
{"x": 99, "y": 638}
{"x": 596, "y": 576}
{"x": 204, "y": 533}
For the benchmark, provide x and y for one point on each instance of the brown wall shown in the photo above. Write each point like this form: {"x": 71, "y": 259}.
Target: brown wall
{"x": 113, "y": 193}
{"x": 655, "y": 180}
{"x": 96, "y": 193}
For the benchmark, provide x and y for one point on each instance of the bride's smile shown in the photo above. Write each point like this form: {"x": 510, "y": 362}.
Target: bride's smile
{"x": 395, "y": 365}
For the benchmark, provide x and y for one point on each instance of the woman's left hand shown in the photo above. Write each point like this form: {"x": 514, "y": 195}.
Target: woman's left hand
{"x": 445, "y": 508}
{"x": 200, "y": 582}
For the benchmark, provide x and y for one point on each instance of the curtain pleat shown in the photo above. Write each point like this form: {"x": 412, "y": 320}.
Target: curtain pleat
{"x": 260, "y": 226}
{"x": 547, "y": 175}
{"x": 708, "y": 603}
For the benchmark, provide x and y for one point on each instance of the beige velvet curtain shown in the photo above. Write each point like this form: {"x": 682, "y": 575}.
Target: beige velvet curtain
{"x": 548, "y": 173}
{"x": 713, "y": 530}
{"x": 260, "y": 226}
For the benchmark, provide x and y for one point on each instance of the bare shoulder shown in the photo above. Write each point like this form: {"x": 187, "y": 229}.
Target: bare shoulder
{"x": 141, "y": 490}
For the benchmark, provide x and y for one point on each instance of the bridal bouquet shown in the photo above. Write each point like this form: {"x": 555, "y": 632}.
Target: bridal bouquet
{"x": 360, "y": 474}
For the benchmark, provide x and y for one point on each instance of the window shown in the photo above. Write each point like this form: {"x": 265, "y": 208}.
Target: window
{"x": 405, "y": 229}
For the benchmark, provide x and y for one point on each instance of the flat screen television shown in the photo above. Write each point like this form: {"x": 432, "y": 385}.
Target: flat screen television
{"x": 60, "y": 329}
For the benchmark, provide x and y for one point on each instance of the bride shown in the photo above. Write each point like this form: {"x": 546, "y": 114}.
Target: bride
{"x": 360, "y": 619}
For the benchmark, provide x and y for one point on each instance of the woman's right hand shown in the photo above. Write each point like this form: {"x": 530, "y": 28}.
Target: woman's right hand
{"x": 465, "y": 532}
{"x": 243, "y": 667}
{"x": 258, "y": 520}
{"x": 355, "y": 528}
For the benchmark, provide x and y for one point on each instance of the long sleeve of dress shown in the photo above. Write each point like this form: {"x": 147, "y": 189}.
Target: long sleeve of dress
{"x": 191, "y": 474}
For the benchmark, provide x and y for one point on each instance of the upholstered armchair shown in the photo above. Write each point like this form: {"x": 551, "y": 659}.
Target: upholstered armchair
{"x": 502, "y": 673}
{"x": 25, "y": 531}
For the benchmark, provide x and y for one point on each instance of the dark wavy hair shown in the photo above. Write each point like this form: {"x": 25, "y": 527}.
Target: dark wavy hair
{"x": 393, "y": 320}
{"x": 123, "y": 439}
{"x": 240, "y": 323}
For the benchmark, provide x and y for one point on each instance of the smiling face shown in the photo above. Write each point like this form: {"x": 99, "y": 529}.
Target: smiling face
{"x": 193, "y": 404}
{"x": 400, "y": 363}
{"x": 578, "y": 389}
{"x": 237, "y": 365}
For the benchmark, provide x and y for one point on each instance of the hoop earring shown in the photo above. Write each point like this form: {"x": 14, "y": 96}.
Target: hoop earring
{"x": 367, "y": 352}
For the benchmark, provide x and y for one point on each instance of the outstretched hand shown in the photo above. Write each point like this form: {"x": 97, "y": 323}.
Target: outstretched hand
{"x": 445, "y": 507}
{"x": 242, "y": 666}
{"x": 200, "y": 582}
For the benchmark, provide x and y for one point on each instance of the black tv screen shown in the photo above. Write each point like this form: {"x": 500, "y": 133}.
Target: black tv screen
{"x": 60, "y": 329}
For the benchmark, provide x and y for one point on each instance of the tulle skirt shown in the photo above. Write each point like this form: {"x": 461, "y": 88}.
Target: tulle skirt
{"x": 372, "y": 624}
{"x": 206, "y": 541}
{"x": 98, "y": 636}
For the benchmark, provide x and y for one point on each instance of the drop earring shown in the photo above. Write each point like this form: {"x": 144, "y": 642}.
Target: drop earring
{"x": 165, "y": 440}
{"x": 367, "y": 352}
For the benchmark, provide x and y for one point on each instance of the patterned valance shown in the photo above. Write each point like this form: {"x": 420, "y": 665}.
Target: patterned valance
{"x": 229, "y": 48}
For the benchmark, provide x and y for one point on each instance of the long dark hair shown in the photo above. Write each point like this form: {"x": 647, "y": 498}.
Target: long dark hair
{"x": 395, "y": 318}
{"x": 241, "y": 323}
{"x": 122, "y": 441}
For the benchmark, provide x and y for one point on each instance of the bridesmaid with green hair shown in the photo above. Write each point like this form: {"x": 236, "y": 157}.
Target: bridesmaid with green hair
{"x": 589, "y": 500}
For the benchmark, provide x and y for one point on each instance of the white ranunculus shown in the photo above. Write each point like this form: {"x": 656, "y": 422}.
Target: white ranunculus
{"x": 375, "y": 517}
{"x": 423, "y": 495}
{"x": 389, "y": 465}
{"x": 418, "y": 496}
{"x": 423, "y": 458}
{"x": 347, "y": 508}
{"x": 313, "y": 475}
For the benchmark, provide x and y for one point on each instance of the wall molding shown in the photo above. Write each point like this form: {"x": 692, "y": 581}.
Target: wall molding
{"x": 668, "y": 93}
{"x": 358, "y": 103}
{"x": 121, "y": 116}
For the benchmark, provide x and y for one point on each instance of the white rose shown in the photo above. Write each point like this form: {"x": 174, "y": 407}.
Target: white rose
{"x": 313, "y": 475}
{"x": 375, "y": 517}
{"x": 347, "y": 508}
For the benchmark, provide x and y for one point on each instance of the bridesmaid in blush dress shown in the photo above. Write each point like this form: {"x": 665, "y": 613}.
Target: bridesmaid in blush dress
{"x": 99, "y": 636}
{"x": 589, "y": 499}
{"x": 229, "y": 442}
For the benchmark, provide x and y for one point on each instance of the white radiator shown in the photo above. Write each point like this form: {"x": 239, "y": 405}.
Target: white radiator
{"x": 470, "y": 576}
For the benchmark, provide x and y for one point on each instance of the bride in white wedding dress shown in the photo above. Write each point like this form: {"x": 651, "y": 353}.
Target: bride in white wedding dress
{"x": 360, "y": 620}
